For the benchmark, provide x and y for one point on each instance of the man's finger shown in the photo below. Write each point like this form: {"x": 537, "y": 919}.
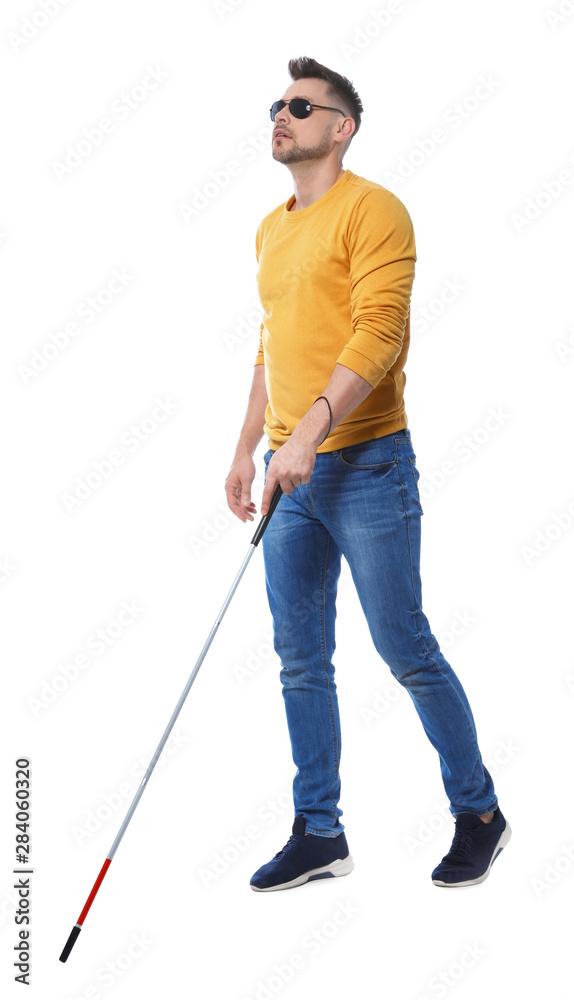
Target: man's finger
{"x": 268, "y": 493}
{"x": 236, "y": 502}
{"x": 232, "y": 493}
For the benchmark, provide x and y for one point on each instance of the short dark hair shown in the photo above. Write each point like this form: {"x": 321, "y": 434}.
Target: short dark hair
{"x": 340, "y": 89}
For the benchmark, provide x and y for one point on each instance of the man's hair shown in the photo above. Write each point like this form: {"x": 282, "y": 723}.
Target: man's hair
{"x": 340, "y": 89}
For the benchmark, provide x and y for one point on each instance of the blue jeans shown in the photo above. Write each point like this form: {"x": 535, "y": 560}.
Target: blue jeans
{"x": 363, "y": 503}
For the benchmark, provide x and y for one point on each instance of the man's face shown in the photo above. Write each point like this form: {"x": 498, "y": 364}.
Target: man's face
{"x": 306, "y": 138}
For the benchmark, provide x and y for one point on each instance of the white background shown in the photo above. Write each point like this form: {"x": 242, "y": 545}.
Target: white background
{"x": 497, "y": 535}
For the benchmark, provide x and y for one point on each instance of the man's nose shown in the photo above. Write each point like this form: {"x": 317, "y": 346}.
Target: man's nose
{"x": 282, "y": 116}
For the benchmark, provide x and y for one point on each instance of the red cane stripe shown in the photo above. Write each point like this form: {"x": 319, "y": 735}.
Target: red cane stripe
{"x": 92, "y": 895}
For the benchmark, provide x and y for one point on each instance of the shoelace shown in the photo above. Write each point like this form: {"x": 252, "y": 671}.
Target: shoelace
{"x": 290, "y": 843}
{"x": 460, "y": 845}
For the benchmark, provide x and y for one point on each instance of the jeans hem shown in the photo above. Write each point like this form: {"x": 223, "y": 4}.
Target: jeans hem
{"x": 475, "y": 812}
{"x": 323, "y": 833}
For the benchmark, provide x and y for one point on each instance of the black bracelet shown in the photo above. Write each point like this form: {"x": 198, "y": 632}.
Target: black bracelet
{"x": 330, "y": 418}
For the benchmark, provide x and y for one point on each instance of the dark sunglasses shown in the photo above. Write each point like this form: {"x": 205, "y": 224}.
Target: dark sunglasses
{"x": 299, "y": 108}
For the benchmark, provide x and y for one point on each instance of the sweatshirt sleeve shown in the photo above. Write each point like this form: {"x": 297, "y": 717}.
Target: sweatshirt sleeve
{"x": 382, "y": 255}
{"x": 259, "y": 357}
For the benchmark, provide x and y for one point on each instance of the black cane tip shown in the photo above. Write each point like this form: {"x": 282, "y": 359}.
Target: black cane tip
{"x": 70, "y": 943}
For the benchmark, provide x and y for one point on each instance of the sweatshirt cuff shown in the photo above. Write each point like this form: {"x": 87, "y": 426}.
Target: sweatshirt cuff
{"x": 361, "y": 365}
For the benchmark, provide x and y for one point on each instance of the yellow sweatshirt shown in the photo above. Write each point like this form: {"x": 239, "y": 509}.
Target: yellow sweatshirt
{"x": 335, "y": 282}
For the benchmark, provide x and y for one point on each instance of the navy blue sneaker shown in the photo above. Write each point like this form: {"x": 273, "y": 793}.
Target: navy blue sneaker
{"x": 304, "y": 858}
{"x": 474, "y": 848}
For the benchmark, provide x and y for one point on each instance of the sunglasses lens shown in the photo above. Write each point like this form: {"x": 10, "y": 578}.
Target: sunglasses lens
{"x": 300, "y": 108}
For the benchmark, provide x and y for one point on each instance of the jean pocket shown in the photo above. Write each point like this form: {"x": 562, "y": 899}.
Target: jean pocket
{"x": 378, "y": 453}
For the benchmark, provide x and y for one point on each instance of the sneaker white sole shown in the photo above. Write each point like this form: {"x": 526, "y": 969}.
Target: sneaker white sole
{"x": 502, "y": 842}
{"x": 342, "y": 866}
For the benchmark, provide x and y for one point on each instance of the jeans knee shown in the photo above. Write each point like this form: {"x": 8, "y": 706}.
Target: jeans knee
{"x": 407, "y": 661}
{"x": 292, "y": 672}
{"x": 410, "y": 675}
{"x": 288, "y": 646}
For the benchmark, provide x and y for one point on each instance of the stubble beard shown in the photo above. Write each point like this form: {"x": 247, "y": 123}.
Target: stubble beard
{"x": 292, "y": 153}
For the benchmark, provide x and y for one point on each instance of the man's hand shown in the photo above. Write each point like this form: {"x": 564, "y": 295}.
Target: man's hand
{"x": 238, "y": 486}
{"x": 291, "y": 465}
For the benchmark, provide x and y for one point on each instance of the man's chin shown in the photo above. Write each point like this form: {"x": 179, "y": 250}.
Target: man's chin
{"x": 287, "y": 157}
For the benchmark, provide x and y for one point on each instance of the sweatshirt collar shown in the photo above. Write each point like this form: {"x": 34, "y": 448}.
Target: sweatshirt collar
{"x": 329, "y": 195}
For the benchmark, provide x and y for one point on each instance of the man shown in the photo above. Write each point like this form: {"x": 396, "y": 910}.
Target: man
{"x": 336, "y": 267}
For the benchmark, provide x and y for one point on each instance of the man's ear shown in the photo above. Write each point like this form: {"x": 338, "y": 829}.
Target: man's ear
{"x": 346, "y": 129}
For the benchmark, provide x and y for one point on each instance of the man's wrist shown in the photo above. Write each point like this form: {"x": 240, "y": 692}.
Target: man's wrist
{"x": 313, "y": 428}
{"x": 243, "y": 449}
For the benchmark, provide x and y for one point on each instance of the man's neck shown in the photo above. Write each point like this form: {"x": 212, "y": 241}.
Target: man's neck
{"x": 309, "y": 185}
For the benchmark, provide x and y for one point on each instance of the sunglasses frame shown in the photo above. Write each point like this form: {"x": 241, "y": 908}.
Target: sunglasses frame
{"x": 288, "y": 104}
